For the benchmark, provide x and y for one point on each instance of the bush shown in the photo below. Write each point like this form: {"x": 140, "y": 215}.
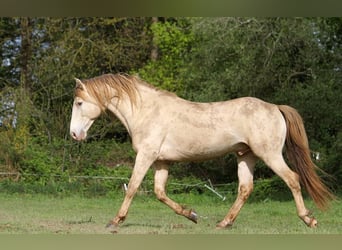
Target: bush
{"x": 270, "y": 189}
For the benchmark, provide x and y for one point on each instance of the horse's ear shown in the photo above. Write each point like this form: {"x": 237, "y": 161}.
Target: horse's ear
{"x": 79, "y": 84}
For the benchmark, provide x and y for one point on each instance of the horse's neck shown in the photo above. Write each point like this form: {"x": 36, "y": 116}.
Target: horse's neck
{"x": 126, "y": 111}
{"x": 122, "y": 113}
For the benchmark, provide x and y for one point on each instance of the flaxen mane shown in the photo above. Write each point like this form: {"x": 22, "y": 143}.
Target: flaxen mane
{"x": 101, "y": 87}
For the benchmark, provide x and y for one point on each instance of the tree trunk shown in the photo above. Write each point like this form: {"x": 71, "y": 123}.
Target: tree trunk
{"x": 23, "y": 102}
{"x": 25, "y": 52}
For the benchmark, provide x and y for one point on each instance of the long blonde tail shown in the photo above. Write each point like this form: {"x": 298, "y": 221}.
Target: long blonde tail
{"x": 298, "y": 153}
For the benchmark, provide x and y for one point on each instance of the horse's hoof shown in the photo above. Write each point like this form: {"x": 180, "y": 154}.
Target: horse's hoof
{"x": 112, "y": 227}
{"x": 310, "y": 221}
{"x": 313, "y": 223}
{"x": 193, "y": 216}
{"x": 224, "y": 225}
{"x": 110, "y": 224}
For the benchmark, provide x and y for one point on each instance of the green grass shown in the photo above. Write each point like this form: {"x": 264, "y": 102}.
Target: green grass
{"x": 43, "y": 214}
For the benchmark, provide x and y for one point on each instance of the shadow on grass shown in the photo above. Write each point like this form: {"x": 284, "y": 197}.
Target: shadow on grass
{"x": 75, "y": 222}
{"x": 130, "y": 224}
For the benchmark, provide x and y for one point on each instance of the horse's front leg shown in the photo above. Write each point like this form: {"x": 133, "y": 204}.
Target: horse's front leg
{"x": 142, "y": 164}
{"x": 160, "y": 179}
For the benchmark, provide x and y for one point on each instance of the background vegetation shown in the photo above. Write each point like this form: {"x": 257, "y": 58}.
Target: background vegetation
{"x": 294, "y": 61}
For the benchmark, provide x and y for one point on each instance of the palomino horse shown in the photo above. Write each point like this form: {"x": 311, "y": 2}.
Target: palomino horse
{"x": 165, "y": 128}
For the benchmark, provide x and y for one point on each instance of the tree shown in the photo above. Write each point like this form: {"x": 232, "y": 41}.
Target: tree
{"x": 172, "y": 38}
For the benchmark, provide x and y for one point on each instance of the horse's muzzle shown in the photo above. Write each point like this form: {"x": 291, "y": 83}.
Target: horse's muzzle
{"x": 78, "y": 136}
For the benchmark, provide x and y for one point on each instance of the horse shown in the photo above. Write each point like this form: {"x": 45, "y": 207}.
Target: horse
{"x": 165, "y": 128}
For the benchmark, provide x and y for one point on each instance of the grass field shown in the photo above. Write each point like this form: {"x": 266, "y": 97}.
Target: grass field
{"x": 43, "y": 214}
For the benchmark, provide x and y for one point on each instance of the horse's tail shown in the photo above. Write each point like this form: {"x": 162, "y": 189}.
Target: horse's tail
{"x": 298, "y": 153}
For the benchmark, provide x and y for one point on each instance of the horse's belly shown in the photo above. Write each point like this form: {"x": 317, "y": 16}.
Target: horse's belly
{"x": 198, "y": 150}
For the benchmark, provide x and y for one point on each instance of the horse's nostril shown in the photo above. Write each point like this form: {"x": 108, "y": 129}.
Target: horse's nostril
{"x": 73, "y": 135}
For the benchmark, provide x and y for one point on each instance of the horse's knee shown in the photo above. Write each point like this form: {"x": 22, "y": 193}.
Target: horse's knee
{"x": 160, "y": 194}
{"x": 245, "y": 191}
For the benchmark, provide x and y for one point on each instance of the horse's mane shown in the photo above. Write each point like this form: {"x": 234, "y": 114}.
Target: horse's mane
{"x": 100, "y": 87}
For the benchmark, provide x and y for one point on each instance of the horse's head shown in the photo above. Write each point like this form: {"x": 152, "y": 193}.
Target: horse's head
{"x": 85, "y": 110}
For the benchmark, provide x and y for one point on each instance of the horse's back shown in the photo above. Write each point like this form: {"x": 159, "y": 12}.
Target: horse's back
{"x": 208, "y": 130}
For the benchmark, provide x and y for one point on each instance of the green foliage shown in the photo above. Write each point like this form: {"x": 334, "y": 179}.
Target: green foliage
{"x": 173, "y": 39}
{"x": 235, "y": 57}
{"x": 13, "y": 146}
{"x": 270, "y": 189}
{"x": 40, "y": 165}
{"x": 333, "y": 162}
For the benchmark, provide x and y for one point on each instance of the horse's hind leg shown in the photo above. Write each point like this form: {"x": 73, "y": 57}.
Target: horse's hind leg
{"x": 279, "y": 166}
{"x": 160, "y": 179}
{"x": 246, "y": 165}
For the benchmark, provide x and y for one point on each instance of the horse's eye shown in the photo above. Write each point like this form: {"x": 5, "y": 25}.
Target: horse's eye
{"x": 79, "y": 103}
